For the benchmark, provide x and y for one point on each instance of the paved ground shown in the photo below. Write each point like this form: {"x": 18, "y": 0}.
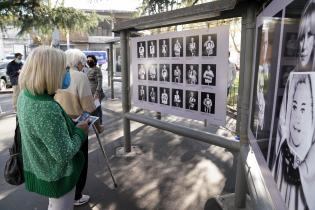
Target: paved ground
{"x": 167, "y": 172}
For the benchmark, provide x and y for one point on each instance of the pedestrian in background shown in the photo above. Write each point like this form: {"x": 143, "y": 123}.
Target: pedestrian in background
{"x": 231, "y": 74}
{"x": 13, "y": 71}
{"x": 95, "y": 77}
{"x": 75, "y": 100}
{"x": 52, "y": 162}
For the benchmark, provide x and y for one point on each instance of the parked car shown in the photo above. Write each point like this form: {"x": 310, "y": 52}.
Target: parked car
{"x": 4, "y": 78}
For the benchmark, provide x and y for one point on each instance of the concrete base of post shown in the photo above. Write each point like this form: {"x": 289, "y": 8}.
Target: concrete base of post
{"x": 135, "y": 150}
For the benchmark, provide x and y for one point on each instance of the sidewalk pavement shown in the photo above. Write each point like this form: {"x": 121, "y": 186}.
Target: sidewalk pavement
{"x": 164, "y": 172}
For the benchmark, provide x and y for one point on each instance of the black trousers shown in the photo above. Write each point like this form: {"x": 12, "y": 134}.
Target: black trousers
{"x": 82, "y": 179}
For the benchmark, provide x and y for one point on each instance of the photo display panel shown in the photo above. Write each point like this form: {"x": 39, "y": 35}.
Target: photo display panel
{"x": 182, "y": 73}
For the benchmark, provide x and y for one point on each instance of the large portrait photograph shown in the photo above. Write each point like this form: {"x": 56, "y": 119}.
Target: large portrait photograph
{"x": 293, "y": 167}
{"x": 209, "y": 45}
{"x": 265, "y": 78}
{"x": 292, "y": 149}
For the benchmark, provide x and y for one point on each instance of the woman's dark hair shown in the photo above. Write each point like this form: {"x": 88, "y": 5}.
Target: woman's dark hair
{"x": 93, "y": 57}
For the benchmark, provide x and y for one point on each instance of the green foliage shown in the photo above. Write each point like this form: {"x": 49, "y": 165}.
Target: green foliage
{"x": 34, "y": 14}
{"x": 150, "y": 7}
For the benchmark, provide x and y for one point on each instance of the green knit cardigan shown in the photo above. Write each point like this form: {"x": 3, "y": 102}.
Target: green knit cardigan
{"x": 50, "y": 145}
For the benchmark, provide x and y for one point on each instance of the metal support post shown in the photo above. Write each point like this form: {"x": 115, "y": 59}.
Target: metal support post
{"x": 108, "y": 70}
{"x": 247, "y": 45}
{"x": 124, "y": 42}
{"x": 241, "y": 75}
{"x": 240, "y": 184}
{"x": 111, "y": 64}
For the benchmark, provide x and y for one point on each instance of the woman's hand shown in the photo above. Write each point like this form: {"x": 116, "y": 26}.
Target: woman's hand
{"x": 84, "y": 126}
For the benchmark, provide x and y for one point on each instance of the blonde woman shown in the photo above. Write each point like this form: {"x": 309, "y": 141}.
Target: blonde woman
{"x": 75, "y": 100}
{"x": 52, "y": 161}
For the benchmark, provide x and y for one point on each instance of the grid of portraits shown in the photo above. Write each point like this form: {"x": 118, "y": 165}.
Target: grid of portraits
{"x": 178, "y": 86}
{"x": 194, "y": 75}
{"x": 178, "y": 73}
{"x": 178, "y": 98}
{"x": 197, "y": 45}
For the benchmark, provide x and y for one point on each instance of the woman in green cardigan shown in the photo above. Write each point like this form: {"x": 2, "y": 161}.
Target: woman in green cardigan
{"x": 52, "y": 161}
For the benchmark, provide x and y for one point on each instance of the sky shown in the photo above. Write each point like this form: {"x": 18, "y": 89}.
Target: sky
{"x": 121, "y": 5}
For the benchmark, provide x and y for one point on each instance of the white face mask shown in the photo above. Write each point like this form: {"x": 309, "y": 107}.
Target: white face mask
{"x": 18, "y": 60}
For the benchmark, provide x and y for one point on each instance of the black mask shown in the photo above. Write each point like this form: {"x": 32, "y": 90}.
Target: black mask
{"x": 91, "y": 63}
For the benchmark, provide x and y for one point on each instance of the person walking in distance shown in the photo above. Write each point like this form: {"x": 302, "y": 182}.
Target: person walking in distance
{"x": 95, "y": 77}
{"x": 13, "y": 71}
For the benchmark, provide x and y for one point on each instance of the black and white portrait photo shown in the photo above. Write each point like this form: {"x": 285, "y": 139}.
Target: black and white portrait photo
{"x": 177, "y": 98}
{"x": 209, "y": 45}
{"x": 177, "y": 73}
{"x": 192, "y": 46}
{"x": 192, "y": 74}
{"x": 142, "y": 75}
{"x": 164, "y": 72}
{"x": 291, "y": 45}
{"x": 208, "y": 102}
{"x": 153, "y": 94}
{"x": 152, "y": 72}
{"x": 177, "y": 47}
{"x": 293, "y": 167}
{"x": 152, "y": 49}
{"x": 141, "y": 49}
{"x": 164, "y": 47}
{"x": 284, "y": 75}
{"x": 191, "y": 100}
{"x": 164, "y": 96}
{"x": 208, "y": 76}
{"x": 142, "y": 93}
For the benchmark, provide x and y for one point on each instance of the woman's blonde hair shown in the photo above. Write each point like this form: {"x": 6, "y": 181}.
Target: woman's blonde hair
{"x": 43, "y": 71}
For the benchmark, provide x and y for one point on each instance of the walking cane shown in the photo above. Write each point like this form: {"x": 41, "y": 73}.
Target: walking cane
{"x": 104, "y": 154}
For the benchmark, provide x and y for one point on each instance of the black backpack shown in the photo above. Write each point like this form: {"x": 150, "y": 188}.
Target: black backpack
{"x": 13, "y": 171}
